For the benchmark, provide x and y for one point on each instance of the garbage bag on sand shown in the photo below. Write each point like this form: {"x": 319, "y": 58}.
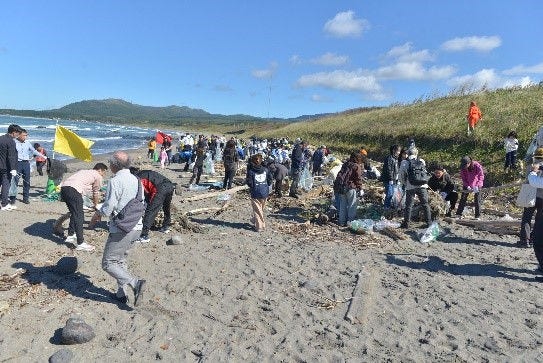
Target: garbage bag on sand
{"x": 431, "y": 233}
{"x": 306, "y": 180}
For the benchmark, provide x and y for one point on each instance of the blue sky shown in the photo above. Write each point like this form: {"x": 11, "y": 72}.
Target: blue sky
{"x": 263, "y": 58}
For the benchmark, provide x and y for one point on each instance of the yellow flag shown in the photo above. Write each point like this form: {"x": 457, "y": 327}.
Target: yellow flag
{"x": 68, "y": 143}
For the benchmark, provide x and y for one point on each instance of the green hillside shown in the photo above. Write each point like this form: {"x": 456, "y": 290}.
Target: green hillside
{"x": 438, "y": 126}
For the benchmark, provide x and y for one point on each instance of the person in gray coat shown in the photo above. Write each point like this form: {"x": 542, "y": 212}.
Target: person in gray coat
{"x": 279, "y": 172}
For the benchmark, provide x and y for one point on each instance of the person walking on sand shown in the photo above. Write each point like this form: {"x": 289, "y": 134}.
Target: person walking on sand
{"x": 259, "y": 180}
{"x": 72, "y": 191}
{"x": 151, "y": 147}
{"x": 473, "y": 177}
{"x": 158, "y": 191}
{"x": 163, "y": 157}
{"x": 230, "y": 160}
{"x": 25, "y": 153}
{"x": 198, "y": 166}
{"x": 474, "y": 115}
{"x": 296, "y": 166}
{"x": 121, "y": 189}
{"x": 8, "y": 163}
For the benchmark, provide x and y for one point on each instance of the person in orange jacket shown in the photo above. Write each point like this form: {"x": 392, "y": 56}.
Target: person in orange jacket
{"x": 474, "y": 116}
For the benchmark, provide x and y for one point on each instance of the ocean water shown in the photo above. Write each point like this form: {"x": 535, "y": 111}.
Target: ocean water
{"x": 107, "y": 137}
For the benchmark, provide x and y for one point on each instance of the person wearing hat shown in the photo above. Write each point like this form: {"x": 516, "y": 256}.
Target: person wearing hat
{"x": 318, "y": 159}
{"x": 441, "y": 182}
{"x": 535, "y": 178}
{"x": 473, "y": 176}
{"x": 526, "y": 234}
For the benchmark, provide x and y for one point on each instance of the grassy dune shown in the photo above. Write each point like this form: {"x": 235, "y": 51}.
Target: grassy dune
{"x": 438, "y": 126}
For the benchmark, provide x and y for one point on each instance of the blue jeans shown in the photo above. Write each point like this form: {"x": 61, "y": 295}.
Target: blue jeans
{"x": 23, "y": 169}
{"x": 389, "y": 192}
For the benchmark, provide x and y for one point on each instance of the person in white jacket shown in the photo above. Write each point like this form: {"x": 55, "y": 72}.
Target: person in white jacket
{"x": 511, "y": 147}
{"x": 535, "y": 178}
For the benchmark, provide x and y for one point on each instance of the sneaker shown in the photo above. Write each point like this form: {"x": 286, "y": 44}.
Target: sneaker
{"x": 404, "y": 225}
{"x": 143, "y": 239}
{"x": 70, "y": 239}
{"x": 26, "y": 201}
{"x": 85, "y": 247}
{"x": 521, "y": 244}
{"x": 9, "y": 207}
{"x": 294, "y": 196}
{"x": 138, "y": 291}
{"x": 164, "y": 229}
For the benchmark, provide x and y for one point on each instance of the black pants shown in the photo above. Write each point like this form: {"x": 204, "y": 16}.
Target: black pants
{"x": 295, "y": 181}
{"x": 163, "y": 199}
{"x": 526, "y": 223}
{"x": 228, "y": 178}
{"x": 537, "y": 238}
{"x": 452, "y": 197}
{"x": 196, "y": 173}
{"x": 279, "y": 187}
{"x": 422, "y": 193}
{"x": 74, "y": 202}
{"x": 463, "y": 200}
{"x": 39, "y": 167}
{"x": 5, "y": 180}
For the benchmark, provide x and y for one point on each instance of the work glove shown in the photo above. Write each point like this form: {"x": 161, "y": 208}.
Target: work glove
{"x": 13, "y": 172}
{"x": 476, "y": 189}
{"x": 443, "y": 195}
{"x": 360, "y": 193}
{"x": 391, "y": 182}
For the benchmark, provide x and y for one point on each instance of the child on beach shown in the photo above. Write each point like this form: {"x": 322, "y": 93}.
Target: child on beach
{"x": 163, "y": 157}
{"x": 511, "y": 147}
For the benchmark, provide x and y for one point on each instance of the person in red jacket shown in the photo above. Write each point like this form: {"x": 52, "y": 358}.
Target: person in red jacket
{"x": 474, "y": 115}
{"x": 158, "y": 192}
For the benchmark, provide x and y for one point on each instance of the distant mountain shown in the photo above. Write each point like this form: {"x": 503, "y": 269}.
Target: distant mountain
{"x": 121, "y": 112}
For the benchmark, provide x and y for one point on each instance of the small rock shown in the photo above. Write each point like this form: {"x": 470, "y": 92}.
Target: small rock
{"x": 61, "y": 356}
{"x": 174, "y": 241}
{"x": 76, "y": 331}
{"x": 67, "y": 265}
{"x": 4, "y": 306}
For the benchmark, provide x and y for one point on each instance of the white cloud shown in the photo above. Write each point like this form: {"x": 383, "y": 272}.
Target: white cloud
{"x": 345, "y": 24}
{"x": 295, "y": 59}
{"x": 358, "y": 81}
{"x": 331, "y": 59}
{"x": 522, "y": 69}
{"x": 320, "y": 98}
{"x": 481, "y": 44}
{"x": 488, "y": 78}
{"x": 265, "y": 73}
{"x": 414, "y": 71}
{"x": 404, "y": 53}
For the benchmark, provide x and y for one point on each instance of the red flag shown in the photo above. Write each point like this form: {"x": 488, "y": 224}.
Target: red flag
{"x": 160, "y": 137}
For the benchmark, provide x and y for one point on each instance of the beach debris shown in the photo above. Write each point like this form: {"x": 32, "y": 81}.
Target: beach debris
{"x": 327, "y": 303}
{"x": 496, "y": 226}
{"x": 393, "y": 233}
{"x": 362, "y": 226}
{"x": 76, "y": 331}
{"x": 175, "y": 240}
{"x": 354, "y": 300}
{"x": 61, "y": 356}
{"x": 4, "y": 306}
{"x": 9, "y": 281}
{"x": 215, "y": 193}
{"x": 67, "y": 265}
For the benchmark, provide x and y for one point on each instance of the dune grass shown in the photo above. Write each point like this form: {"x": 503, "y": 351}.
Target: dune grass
{"x": 438, "y": 126}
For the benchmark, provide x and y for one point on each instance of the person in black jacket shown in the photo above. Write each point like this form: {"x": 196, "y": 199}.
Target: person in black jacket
{"x": 296, "y": 167}
{"x": 441, "y": 182}
{"x": 198, "y": 166}
{"x": 259, "y": 180}
{"x": 230, "y": 160}
{"x": 8, "y": 162}
{"x": 158, "y": 191}
{"x": 389, "y": 176}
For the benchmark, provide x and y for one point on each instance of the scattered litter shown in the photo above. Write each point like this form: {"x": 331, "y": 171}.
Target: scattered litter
{"x": 431, "y": 233}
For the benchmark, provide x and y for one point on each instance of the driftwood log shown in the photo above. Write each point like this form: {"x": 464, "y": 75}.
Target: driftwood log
{"x": 215, "y": 194}
{"x": 355, "y": 300}
{"x": 499, "y": 226}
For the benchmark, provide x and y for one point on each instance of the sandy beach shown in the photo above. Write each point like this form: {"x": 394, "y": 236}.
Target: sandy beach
{"x": 231, "y": 294}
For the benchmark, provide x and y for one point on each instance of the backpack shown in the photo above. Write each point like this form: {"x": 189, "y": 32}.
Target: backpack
{"x": 129, "y": 216}
{"x": 342, "y": 178}
{"x": 417, "y": 173}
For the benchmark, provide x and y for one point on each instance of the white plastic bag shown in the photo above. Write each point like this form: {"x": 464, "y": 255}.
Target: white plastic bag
{"x": 306, "y": 180}
{"x": 431, "y": 233}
